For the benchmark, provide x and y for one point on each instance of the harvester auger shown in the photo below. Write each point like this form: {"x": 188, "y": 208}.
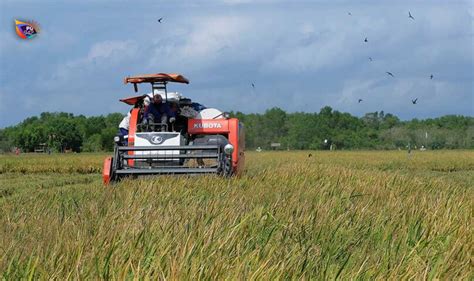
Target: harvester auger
{"x": 199, "y": 141}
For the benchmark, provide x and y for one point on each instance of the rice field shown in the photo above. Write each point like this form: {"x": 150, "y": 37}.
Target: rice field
{"x": 335, "y": 215}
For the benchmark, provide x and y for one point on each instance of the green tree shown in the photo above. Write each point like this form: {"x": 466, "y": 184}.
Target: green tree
{"x": 93, "y": 144}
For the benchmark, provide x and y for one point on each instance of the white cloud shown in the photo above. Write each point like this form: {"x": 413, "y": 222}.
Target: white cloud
{"x": 212, "y": 34}
{"x": 107, "y": 52}
{"x": 75, "y": 83}
{"x": 202, "y": 44}
{"x": 111, "y": 50}
{"x": 101, "y": 55}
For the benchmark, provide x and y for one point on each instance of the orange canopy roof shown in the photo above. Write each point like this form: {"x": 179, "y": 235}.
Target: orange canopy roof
{"x": 133, "y": 100}
{"x": 157, "y": 77}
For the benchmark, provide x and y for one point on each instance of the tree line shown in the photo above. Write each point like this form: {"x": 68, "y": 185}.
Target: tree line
{"x": 376, "y": 130}
{"x": 61, "y": 132}
{"x": 300, "y": 130}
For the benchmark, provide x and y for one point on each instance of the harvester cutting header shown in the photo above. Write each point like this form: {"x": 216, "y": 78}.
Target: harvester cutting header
{"x": 167, "y": 133}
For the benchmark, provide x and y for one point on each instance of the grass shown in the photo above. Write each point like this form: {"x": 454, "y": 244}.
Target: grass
{"x": 336, "y": 215}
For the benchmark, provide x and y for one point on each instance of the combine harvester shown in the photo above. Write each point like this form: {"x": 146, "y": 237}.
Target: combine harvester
{"x": 198, "y": 142}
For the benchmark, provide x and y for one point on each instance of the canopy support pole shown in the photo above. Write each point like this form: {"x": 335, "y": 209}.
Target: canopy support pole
{"x": 160, "y": 86}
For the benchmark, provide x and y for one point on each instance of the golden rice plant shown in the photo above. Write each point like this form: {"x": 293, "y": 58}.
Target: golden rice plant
{"x": 335, "y": 215}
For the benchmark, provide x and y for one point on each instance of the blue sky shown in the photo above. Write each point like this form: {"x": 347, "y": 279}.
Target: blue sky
{"x": 301, "y": 55}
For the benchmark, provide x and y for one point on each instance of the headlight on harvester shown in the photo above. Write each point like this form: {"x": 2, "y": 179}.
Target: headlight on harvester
{"x": 116, "y": 139}
{"x": 228, "y": 149}
{"x": 226, "y": 115}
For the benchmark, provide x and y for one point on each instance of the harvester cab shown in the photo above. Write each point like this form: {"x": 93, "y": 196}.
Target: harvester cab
{"x": 198, "y": 141}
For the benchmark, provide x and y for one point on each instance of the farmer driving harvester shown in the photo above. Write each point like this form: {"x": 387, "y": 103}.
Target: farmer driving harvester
{"x": 159, "y": 112}
{"x": 200, "y": 141}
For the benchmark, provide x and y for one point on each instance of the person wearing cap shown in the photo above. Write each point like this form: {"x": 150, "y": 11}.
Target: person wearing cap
{"x": 159, "y": 112}
{"x": 148, "y": 99}
{"x": 171, "y": 97}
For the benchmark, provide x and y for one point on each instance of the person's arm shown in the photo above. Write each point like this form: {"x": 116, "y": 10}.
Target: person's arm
{"x": 151, "y": 110}
{"x": 147, "y": 110}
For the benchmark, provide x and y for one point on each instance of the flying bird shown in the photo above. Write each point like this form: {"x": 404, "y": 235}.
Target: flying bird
{"x": 253, "y": 85}
{"x": 349, "y": 13}
{"x": 360, "y": 100}
{"x": 366, "y": 40}
{"x": 370, "y": 58}
{"x": 410, "y": 16}
{"x": 414, "y": 101}
{"x": 160, "y": 19}
{"x": 310, "y": 155}
{"x": 431, "y": 76}
{"x": 390, "y": 73}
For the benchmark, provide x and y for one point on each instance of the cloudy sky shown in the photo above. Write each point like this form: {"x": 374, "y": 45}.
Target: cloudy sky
{"x": 301, "y": 55}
